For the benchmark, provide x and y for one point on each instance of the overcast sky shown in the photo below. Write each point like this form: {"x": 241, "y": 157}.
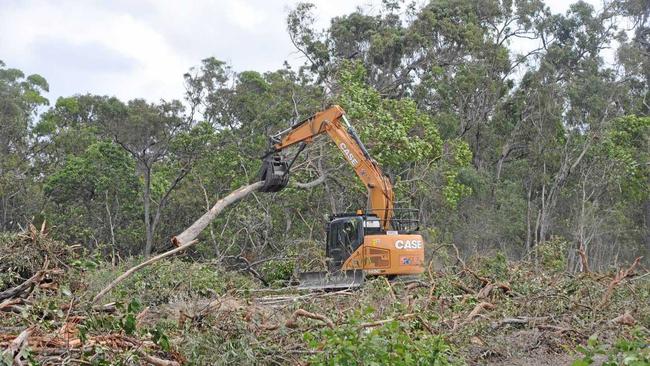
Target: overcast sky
{"x": 130, "y": 48}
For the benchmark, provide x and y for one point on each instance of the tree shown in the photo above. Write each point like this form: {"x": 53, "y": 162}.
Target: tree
{"x": 95, "y": 197}
{"x": 20, "y": 99}
{"x": 152, "y": 135}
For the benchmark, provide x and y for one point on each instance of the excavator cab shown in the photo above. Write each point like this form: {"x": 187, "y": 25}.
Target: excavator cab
{"x": 274, "y": 173}
{"x": 345, "y": 234}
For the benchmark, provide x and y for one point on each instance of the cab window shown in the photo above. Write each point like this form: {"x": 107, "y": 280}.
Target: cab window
{"x": 346, "y": 233}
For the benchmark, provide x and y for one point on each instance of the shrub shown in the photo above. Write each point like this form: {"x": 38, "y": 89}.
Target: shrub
{"x": 167, "y": 280}
{"x": 631, "y": 351}
{"x": 278, "y": 271}
{"x": 392, "y": 343}
{"x": 23, "y": 254}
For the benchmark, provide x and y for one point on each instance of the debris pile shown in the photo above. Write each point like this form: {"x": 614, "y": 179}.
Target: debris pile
{"x": 483, "y": 310}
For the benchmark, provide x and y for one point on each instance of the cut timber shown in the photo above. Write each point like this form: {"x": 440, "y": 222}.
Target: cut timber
{"x": 187, "y": 238}
{"x": 14, "y": 351}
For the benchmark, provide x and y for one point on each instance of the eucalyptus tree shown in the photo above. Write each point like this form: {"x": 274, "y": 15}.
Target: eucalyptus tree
{"x": 157, "y": 136}
{"x": 20, "y": 99}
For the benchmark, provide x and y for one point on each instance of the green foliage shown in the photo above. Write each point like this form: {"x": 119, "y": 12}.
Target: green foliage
{"x": 168, "y": 280}
{"x": 278, "y": 271}
{"x": 395, "y": 131}
{"x": 632, "y": 351}
{"x": 210, "y": 347}
{"x": 553, "y": 254}
{"x": 159, "y": 337}
{"x": 103, "y": 167}
{"x": 398, "y": 133}
{"x": 460, "y": 157}
{"x": 392, "y": 343}
{"x": 93, "y": 191}
{"x": 494, "y": 266}
{"x": 20, "y": 99}
{"x": 627, "y": 143}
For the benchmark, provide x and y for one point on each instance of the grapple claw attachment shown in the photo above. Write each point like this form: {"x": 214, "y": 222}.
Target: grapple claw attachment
{"x": 274, "y": 173}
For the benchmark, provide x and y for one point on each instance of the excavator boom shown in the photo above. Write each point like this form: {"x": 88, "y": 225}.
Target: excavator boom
{"x": 372, "y": 242}
{"x": 332, "y": 122}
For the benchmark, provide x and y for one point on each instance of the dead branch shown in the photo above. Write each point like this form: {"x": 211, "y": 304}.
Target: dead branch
{"x": 415, "y": 284}
{"x": 620, "y": 276}
{"x": 485, "y": 291}
{"x": 381, "y": 322}
{"x": 249, "y": 267}
{"x": 458, "y": 258}
{"x": 61, "y": 344}
{"x": 554, "y": 328}
{"x": 141, "y": 316}
{"x": 269, "y": 327}
{"x": 390, "y": 288}
{"x": 293, "y": 321}
{"x": 477, "y": 310}
{"x": 16, "y": 347}
{"x": 106, "y": 308}
{"x": 26, "y": 286}
{"x": 188, "y": 237}
{"x": 11, "y": 304}
{"x": 462, "y": 286}
{"x": 504, "y": 287}
{"x": 157, "y": 361}
{"x": 484, "y": 280}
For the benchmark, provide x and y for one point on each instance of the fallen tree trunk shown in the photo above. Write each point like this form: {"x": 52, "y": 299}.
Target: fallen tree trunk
{"x": 197, "y": 227}
{"x": 188, "y": 237}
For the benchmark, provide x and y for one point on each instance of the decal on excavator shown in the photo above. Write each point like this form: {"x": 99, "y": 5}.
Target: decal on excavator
{"x": 408, "y": 244}
{"x": 348, "y": 154}
{"x": 410, "y": 261}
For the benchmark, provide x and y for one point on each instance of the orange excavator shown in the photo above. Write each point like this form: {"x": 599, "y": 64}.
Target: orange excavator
{"x": 381, "y": 240}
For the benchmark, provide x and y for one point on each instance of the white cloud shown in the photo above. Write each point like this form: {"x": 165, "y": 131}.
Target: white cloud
{"x": 142, "y": 48}
{"x": 245, "y": 15}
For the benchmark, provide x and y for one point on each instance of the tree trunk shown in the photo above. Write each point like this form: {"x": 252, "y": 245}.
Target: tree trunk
{"x": 147, "y": 210}
{"x": 646, "y": 222}
{"x": 197, "y": 227}
{"x": 528, "y": 221}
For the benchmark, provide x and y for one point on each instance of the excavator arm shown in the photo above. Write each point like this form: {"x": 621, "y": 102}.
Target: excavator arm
{"x": 332, "y": 122}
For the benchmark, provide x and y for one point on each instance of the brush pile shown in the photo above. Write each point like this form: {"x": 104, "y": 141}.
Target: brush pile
{"x": 485, "y": 310}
